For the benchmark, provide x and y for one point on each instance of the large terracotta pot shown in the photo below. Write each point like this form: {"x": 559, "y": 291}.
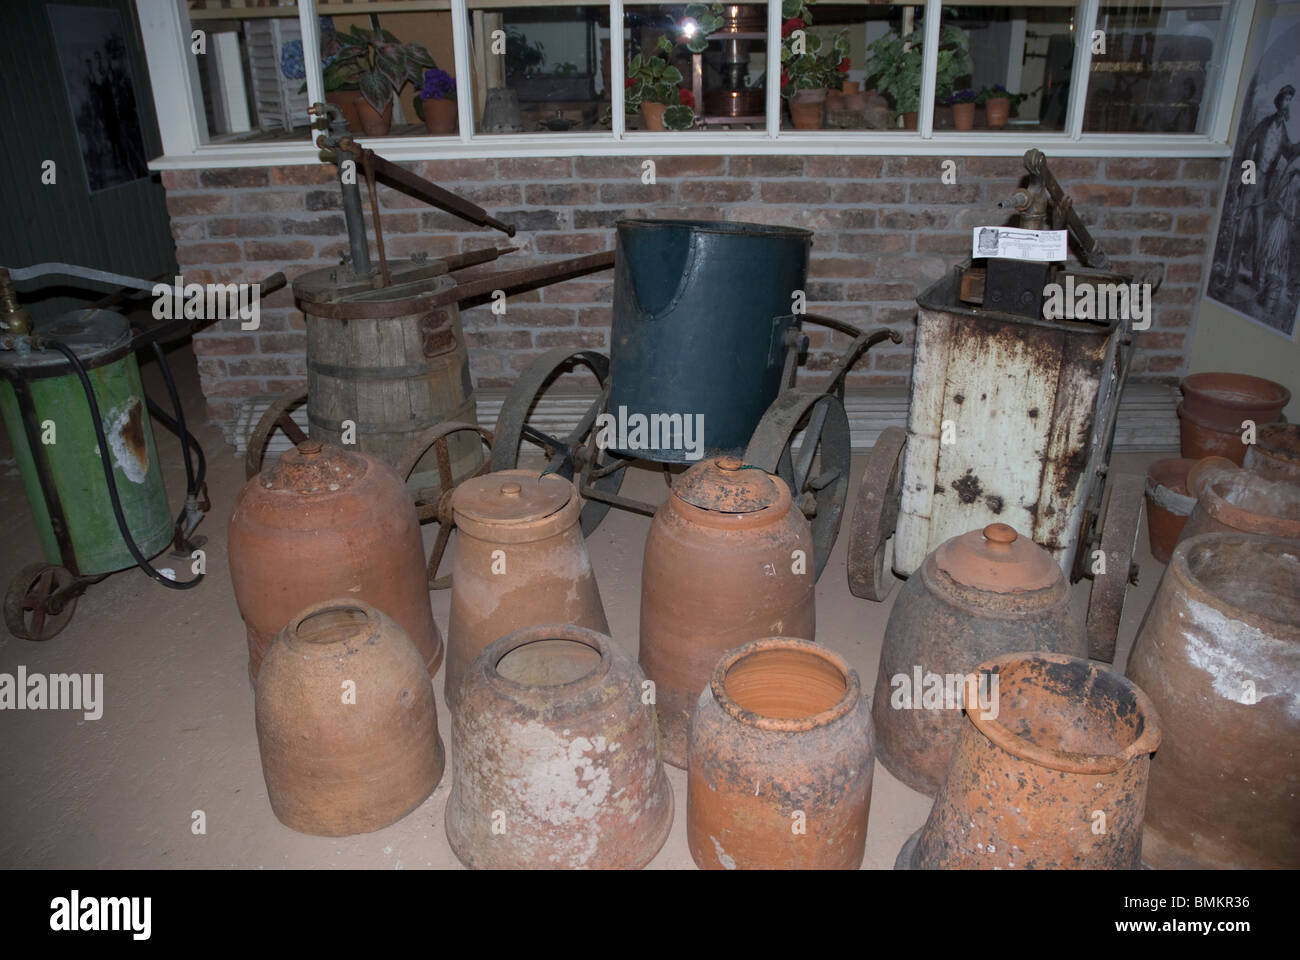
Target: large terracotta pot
{"x": 979, "y": 595}
{"x": 1275, "y": 454}
{"x": 1168, "y": 504}
{"x": 1198, "y": 439}
{"x": 520, "y": 560}
{"x": 808, "y": 109}
{"x": 374, "y": 123}
{"x": 324, "y": 522}
{"x": 998, "y": 109}
{"x": 554, "y": 761}
{"x": 910, "y": 120}
{"x": 346, "y": 722}
{"x": 720, "y": 570}
{"x": 440, "y": 116}
{"x": 1239, "y": 501}
{"x": 780, "y": 761}
{"x": 963, "y": 116}
{"x": 1056, "y": 780}
{"x": 1219, "y": 653}
{"x": 346, "y": 101}
{"x": 1222, "y": 401}
{"x": 653, "y": 115}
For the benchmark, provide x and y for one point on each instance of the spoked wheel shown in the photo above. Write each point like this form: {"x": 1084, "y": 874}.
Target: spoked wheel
{"x": 277, "y": 417}
{"x": 38, "y": 604}
{"x": 875, "y": 515}
{"x": 574, "y": 455}
{"x": 1119, "y": 534}
{"x": 818, "y": 472}
{"x": 434, "y": 502}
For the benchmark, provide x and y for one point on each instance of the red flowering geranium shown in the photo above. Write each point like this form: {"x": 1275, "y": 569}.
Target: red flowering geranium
{"x": 791, "y": 25}
{"x": 686, "y": 98}
{"x": 628, "y": 83}
{"x": 844, "y": 66}
{"x": 785, "y": 78}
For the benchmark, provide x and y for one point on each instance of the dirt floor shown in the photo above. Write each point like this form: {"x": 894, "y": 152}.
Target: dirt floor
{"x": 177, "y": 734}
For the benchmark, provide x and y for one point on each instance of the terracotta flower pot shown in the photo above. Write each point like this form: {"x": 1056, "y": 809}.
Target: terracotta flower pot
{"x": 521, "y": 559}
{"x": 554, "y": 761}
{"x": 1198, "y": 439}
{"x": 808, "y": 109}
{"x": 1219, "y": 654}
{"x": 780, "y": 761}
{"x": 653, "y": 115}
{"x": 850, "y": 86}
{"x": 1243, "y": 502}
{"x": 374, "y": 123}
{"x": 335, "y": 764}
{"x": 963, "y": 116}
{"x": 1168, "y": 504}
{"x": 346, "y": 101}
{"x": 440, "y": 116}
{"x": 1275, "y": 454}
{"x": 1222, "y": 401}
{"x": 1056, "y": 780}
{"x": 998, "y": 109}
{"x": 910, "y": 119}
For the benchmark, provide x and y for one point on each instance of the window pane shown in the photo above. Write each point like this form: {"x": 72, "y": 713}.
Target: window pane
{"x": 1159, "y": 61}
{"x": 882, "y": 79}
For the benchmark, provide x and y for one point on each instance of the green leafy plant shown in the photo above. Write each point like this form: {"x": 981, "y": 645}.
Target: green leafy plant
{"x": 806, "y": 62}
{"x": 651, "y": 78}
{"x": 998, "y": 91}
{"x": 895, "y": 65}
{"x": 522, "y": 58}
{"x": 707, "y": 18}
{"x": 376, "y": 63}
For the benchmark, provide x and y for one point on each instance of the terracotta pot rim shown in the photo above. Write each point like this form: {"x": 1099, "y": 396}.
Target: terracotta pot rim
{"x": 521, "y": 531}
{"x": 1210, "y": 425}
{"x": 1239, "y": 518}
{"x": 338, "y": 604}
{"x": 956, "y": 594}
{"x": 1067, "y": 761}
{"x": 1278, "y": 632}
{"x": 772, "y": 513}
{"x": 1167, "y": 497}
{"x": 511, "y": 642}
{"x": 1269, "y": 390}
{"x": 718, "y": 686}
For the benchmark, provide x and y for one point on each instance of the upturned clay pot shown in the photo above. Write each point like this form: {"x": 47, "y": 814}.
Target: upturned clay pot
{"x": 554, "y": 760}
{"x": 780, "y": 761}
{"x": 1221, "y": 401}
{"x": 324, "y": 522}
{"x": 977, "y": 596}
{"x": 998, "y": 109}
{"x": 1219, "y": 653}
{"x": 1243, "y": 502}
{"x": 1275, "y": 454}
{"x": 1168, "y": 504}
{"x": 520, "y": 560}
{"x": 1053, "y": 776}
{"x": 727, "y": 560}
{"x": 808, "y": 109}
{"x": 346, "y": 722}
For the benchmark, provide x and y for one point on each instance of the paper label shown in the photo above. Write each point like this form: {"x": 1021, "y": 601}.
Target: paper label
{"x": 1016, "y": 244}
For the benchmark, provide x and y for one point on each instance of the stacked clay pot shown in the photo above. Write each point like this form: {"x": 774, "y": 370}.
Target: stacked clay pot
{"x": 1219, "y": 653}
{"x": 1216, "y": 405}
{"x": 520, "y": 560}
{"x": 780, "y": 764}
{"x": 1053, "y": 775}
{"x": 1230, "y": 500}
{"x": 978, "y": 595}
{"x": 728, "y": 559}
{"x": 346, "y": 722}
{"x": 1168, "y": 504}
{"x": 554, "y": 757}
{"x": 1275, "y": 454}
{"x": 324, "y": 522}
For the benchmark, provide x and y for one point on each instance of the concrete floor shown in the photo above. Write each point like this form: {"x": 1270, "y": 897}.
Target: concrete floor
{"x": 177, "y": 733}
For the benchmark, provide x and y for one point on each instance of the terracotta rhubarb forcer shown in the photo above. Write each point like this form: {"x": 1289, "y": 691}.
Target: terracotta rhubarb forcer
{"x": 780, "y": 767}
{"x": 1056, "y": 779}
{"x": 554, "y": 757}
{"x": 1219, "y": 653}
{"x": 979, "y": 595}
{"x": 1168, "y": 504}
{"x": 1275, "y": 454}
{"x": 727, "y": 560}
{"x": 324, "y": 522}
{"x": 1239, "y": 501}
{"x": 346, "y": 722}
{"x": 520, "y": 560}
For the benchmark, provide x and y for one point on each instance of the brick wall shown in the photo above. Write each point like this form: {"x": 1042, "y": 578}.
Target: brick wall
{"x": 884, "y": 229}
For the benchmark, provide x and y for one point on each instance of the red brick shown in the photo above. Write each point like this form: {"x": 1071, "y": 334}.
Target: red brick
{"x": 258, "y": 201}
{"x": 865, "y": 168}
{"x": 305, "y": 175}
{"x": 750, "y": 168}
{"x": 1172, "y": 246}
{"x": 875, "y": 292}
{"x": 535, "y": 168}
{"x": 500, "y": 339}
{"x": 872, "y": 191}
{"x": 634, "y": 191}
{"x": 875, "y": 242}
{"x": 837, "y": 219}
{"x": 891, "y": 361}
{"x": 594, "y": 317}
{"x": 197, "y": 204}
{"x": 260, "y": 367}
{"x": 529, "y": 315}
{"x": 590, "y": 339}
{"x": 924, "y": 168}
{"x": 1172, "y": 318}
{"x": 200, "y": 253}
{"x": 910, "y": 220}
{"x": 445, "y": 172}
{"x": 1173, "y": 197}
{"x": 492, "y": 195}
{"x": 559, "y": 194}
{"x": 796, "y": 191}
{"x": 840, "y": 267}
{"x": 976, "y": 169}
{"x": 241, "y": 227}
{"x": 608, "y": 168}
{"x": 1144, "y": 168}
{"x": 1163, "y": 363}
{"x": 1072, "y": 168}
{"x": 282, "y": 342}
{"x": 1101, "y": 194}
{"x": 1158, "y": 340}
{"x": 1143, "y": 221}
{"x": 824, "y": 291}
{"x": 572, "y": 243}
{"x": 279, "y": 249}
{"x": 687, "y": 167}
{"x": 717, "y": 191}
{"x": 1193, "y": 223}
{"x": 580, "y": 291}
{"x": 234, "y": 388}
{"x": 180, "y": 179}
{"x": 944, "y": 193}
{"x": 239, "y": 177}
{"x": 1184, "y": 273}
{"x": 928, "y": 242}
{"x": 1201, "y": 169}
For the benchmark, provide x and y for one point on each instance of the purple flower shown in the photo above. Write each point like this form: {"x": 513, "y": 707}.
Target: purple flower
{"x": 438, "y": 85}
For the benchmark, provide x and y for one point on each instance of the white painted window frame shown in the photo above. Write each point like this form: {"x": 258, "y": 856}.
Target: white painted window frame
{"x": 166, "y": 30}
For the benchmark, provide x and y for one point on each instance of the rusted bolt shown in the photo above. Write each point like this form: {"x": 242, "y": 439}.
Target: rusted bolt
{"x": 729, "y": 463}
{"x": 511, "y": 489}
{"x": 309, "y": 448}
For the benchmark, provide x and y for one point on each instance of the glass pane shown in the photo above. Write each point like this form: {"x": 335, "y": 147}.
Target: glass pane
{"x": 537, "y": 69}
{"x": 1158, "y": 66}
{"x": 882, "y": 85}
{"x": 1016, "y": 75}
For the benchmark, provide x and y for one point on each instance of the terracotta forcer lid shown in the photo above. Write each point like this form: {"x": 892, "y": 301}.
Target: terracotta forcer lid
{"x": 511, "y": 497}
{"x": 997, "y": 559}
{"x": 314, "y": 467}
{"x": 726, "y": 485}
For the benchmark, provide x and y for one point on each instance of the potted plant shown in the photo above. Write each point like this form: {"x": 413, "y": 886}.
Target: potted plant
{"x": 808, "y": 68}
{"x": 651, "y": 88}
{"x": 963, "y": 109}
{"x": 998, "y": 103}
{"x": 436, "y": 102}
{"x": 377, "y": 65}
{"x": 895, "y": 63}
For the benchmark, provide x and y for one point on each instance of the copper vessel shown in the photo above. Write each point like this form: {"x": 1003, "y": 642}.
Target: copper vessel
{"x": 324, "y": 522}
{"x": 346, "y": 722}
{"x": 1168, "y": 504}
{"x": 979, "y": 595}
{"x": 1052, "y": 776}
{"x": 728, "y": 560}
{"x": 554, "y": 757}
{"x": 520, "y": 560}
{"x": 1240, "y": 501}
{"x": 780, "y": 764}
{"x": 1275, "y": 454}
{"x": 1219, "y": 653}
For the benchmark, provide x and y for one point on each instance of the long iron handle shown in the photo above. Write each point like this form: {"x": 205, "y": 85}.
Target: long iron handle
{"x": 431, "y": 193}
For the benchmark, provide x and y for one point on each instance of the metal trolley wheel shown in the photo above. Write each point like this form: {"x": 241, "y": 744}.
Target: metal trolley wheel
{"x": 875, "y": 516}
{"x": 40, "y": 601}
{"x": 1120, "y": 527}
{"x": 276, "y": 415}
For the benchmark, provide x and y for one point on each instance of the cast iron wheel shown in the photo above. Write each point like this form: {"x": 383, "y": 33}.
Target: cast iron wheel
{"x": 1119, "y": 535}
{"x": 565, "y": 456}
{"x": 818, "y": 474}
{"x": 276, "y": 415}
{"x": 434, "y": 503}
{"x": 31, "y": 612}
{"x": 875, "y": 515}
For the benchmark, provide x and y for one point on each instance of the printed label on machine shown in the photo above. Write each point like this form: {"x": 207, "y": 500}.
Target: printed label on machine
{"x": 1017, "y": 244}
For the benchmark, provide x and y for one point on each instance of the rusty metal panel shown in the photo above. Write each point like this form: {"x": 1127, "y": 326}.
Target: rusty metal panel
{"x": 921, "y": 457}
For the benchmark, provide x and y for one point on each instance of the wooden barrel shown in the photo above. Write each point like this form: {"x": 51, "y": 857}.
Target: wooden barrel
{"x": 383, "y": 360}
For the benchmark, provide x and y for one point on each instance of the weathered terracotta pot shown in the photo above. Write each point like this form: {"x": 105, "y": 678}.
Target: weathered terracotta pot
{"x": 998, "y": 109}
{"x": 346, "y": 101}
{"x": 440, "y": 116}
{"x": 324, "y": 522}
{"x": 373, "y": 122}
{"x": 520, "y": 560}
{"x": 1221, "y": 401}
{"x": 1056, "y": 780}
{"x": 1198, "y": 439}
{"x": 720, "y": 569}
{"x": 1275, "y": 454}
{"x": 808, "y": 109}
{"x": 1168, "y": 504}
{"x": 963, "y": 116}
{"x": 977, "y": 596}
{"x": 1245, "y": 502}
{"x": 1219, "y": 653}
{"x": 554, "y": 759}
{"x": 1206, "y": 469}
{"x": 346, "y": 722}
{"x": 780, "y": 761}
{"x": 653, "y": 115}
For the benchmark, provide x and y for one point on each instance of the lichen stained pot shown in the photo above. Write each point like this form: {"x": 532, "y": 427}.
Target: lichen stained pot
{"x": 780, "y": 763}
{"x": 554, "y": 757}
{"x": 1221, "y": 401}
{"x": 1275, "y": 454}
{"x": 324, "y": 522}
{"x": 1053, "y": 776}
{"x": 728, "y": 559}
{"x": 979, "y": 595}
{"x": 346, "y": 722}
{"x": 520, "y": 560}
{"x": 1168, "y": 504}
{"x": 1219, "y": 654}
{"x": 1240, "y": 501}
